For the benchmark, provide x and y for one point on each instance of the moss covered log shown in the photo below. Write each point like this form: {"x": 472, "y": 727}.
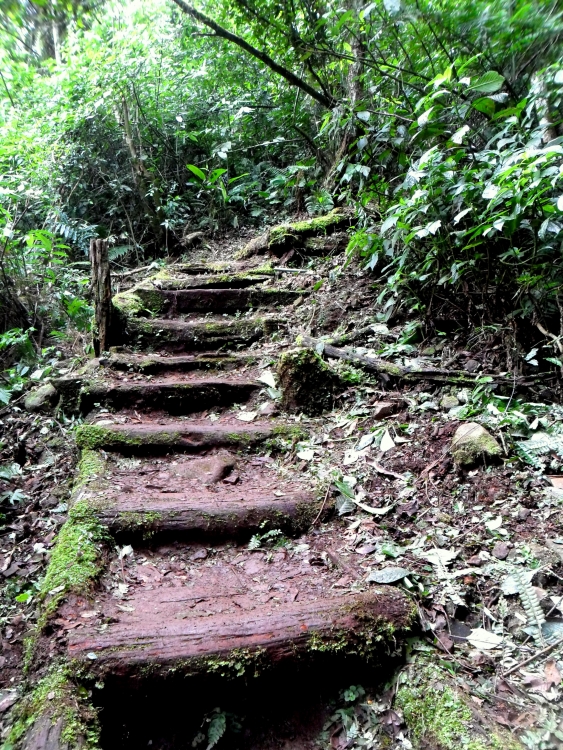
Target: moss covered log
{"x": 283, "y": 237}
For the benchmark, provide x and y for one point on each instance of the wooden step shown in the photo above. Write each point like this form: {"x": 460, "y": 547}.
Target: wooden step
{"x": 152, "y": 364}
{"x": 223, "y": 300}
{"x": 178, "y": 435}
{"x": 200, "y": 335}
{"x": 234, "y": 614}
{"x": 172, "y": 396}
{"x": 216, "y": 495}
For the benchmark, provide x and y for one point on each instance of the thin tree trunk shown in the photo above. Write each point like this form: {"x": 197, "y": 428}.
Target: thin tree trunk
{"x": 101, "y": 287}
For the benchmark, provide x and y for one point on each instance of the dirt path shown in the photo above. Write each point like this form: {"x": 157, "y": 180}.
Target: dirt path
{"x": 178, "y": 466}
{"x": 221, "y": 574}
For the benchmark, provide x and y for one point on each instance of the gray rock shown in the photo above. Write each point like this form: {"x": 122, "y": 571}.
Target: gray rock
{"x": 472, "y": 443}
{"x": 449, "y": 402}
{"x": 41, "y": 399}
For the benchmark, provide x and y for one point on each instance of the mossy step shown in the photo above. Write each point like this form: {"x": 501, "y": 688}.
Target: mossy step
{"x": 170, "y": 281}
{"x": 152, "y": 364}
{"x": 200, "y": 335}
{"x": 225, "y": 300}
{"x": 170, "y": 396}
{"x": 220, "y": 625}
{"x": 190, "y": 435}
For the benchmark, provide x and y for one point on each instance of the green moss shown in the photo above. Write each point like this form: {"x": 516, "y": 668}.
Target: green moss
{"x": 438, "y": 716}
{"x": 316, "y": 225}
{"x": 56, "y": 697}
{"x": 76, "y": 560}
{"x": 141, "y": 300}
{"x": 91, "y": 465}
{"x": 93, "y": 437}
{"x": 140, "y": 520}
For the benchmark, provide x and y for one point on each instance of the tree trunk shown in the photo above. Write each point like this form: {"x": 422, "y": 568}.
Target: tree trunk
{"x": 101, "y": 287}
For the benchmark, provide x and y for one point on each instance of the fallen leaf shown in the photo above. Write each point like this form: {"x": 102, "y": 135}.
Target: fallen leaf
{"x": 551, "y": 672}
{"x": 388, "y": 575}
{"x": 365, "y": 441}
{"x": 306, "y": 455}
{"x": 484, "y": 640}
{"x": 387, "y": 442}
{"x": 494, "y": 523}
{"x": 350, "y": 457}
{"x": 268, "y": 377}
{"x": 437, "y": 556}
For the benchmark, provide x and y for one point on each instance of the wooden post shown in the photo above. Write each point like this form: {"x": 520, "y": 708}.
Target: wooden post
{"x": 101, "y": 288}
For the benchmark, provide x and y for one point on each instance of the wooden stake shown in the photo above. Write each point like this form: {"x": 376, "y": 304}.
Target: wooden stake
{"x": 101, "y": 288}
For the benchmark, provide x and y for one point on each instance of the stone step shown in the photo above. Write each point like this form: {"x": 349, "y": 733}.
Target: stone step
{"x": 185, "y": 612}
{"x": 220, "y": 494}
{"x": 172, "y": 396}
{"x": 200, "y": 335}
{"x": 179, "y": 435}
{"x": 223, "y": 300}
{"x": 152, "y": 364}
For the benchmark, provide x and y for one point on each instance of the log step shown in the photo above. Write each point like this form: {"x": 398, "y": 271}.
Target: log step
{"x": 219, "y": 494}
{"x": 195, "y": 626}
{"x": 182, "y": 278}
{"x": 179, "y": 435}
{"x": 173, "y": 396}
{"x": 224, "y": 300}
{"x": 152, "y": 364}
{"x": 200, "y": 335}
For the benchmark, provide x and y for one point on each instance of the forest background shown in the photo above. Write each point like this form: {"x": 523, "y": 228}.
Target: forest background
{"x": 439, "y": 123}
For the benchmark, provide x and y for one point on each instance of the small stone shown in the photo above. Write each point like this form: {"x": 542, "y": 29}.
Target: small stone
{"x": 449, "y": 402}
{"x": 269, "y": 409}
{"x": 471, "y": 365}
{"x": 523, "y": 514}
{"x": 471, "y": 443}
{"x": 475, "y": 561}
{"x": 501, "y": 550}
{"x": 41, "y": 399}
{"x": 383, "y": 409}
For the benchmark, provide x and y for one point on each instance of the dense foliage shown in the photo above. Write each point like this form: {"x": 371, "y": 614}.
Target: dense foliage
{"x": 439, "y": 122}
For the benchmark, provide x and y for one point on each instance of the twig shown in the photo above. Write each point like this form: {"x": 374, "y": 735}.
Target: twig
{"x": 532, "y": 658}
{"x": 319, "y": 514}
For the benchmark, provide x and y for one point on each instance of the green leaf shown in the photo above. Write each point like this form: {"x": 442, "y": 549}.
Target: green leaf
{"x": 485, "y": 105}
{"x": 488, "y": 83}
{"x": 197, "y": 171}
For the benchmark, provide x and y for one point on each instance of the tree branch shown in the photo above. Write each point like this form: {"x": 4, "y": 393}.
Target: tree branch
{"x": 326, "y": 101}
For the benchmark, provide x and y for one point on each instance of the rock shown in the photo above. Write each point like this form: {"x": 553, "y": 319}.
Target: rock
{"x": 523, "y": 514}
{"x": 449, "y": 402}
{"x": 472, "y": 443}
{"x": 501, "y": 550}
{"x": 307, "y": 383}
{"x": 42, "y": 398}
{"x": 383, "y": 409}
{"x": 475, "y": 561}
{"x": 269, "y": 409}
{"x": 471, "y": 365}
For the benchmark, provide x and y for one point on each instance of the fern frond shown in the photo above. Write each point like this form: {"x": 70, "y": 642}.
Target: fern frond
{"x": 532, "y": 608}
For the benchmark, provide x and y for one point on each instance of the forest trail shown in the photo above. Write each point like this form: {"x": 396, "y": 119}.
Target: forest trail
{"x": 182, "y": 484}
